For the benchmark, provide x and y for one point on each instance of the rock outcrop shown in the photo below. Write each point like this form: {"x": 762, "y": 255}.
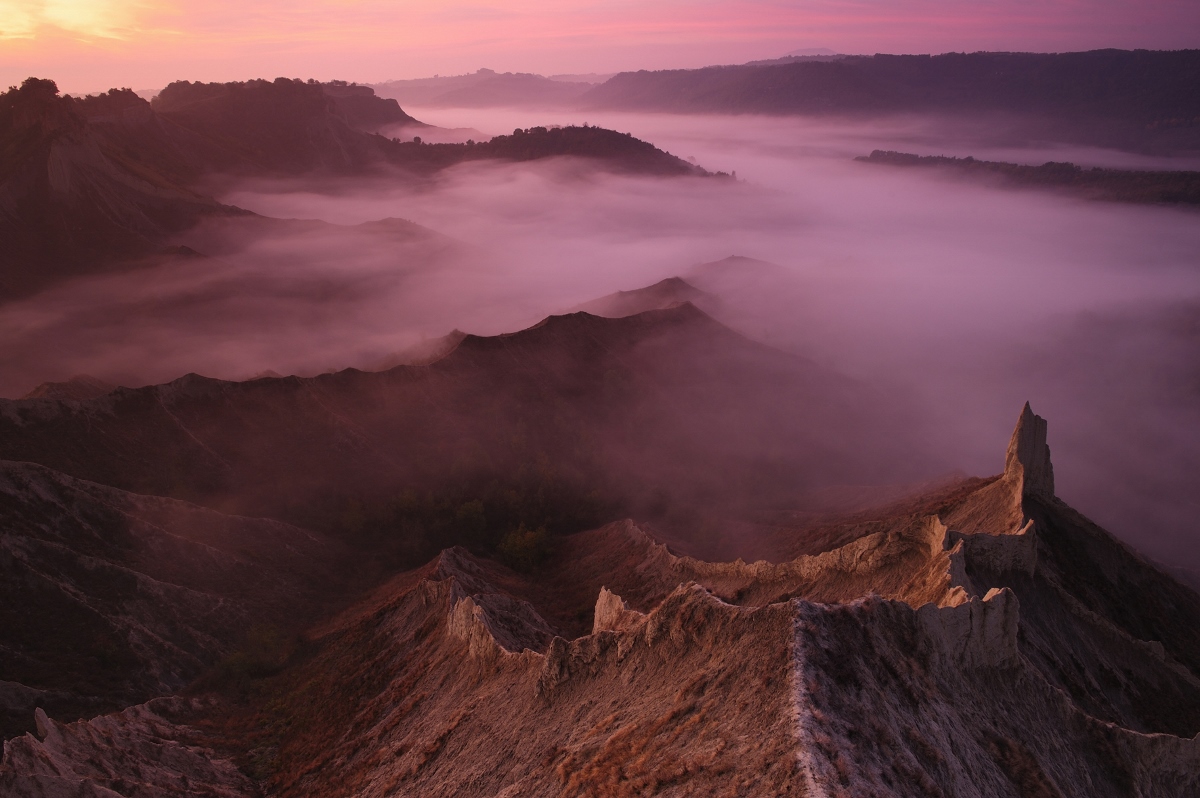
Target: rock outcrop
{"x": 1027, "y": 461}
{"x": 997, "y": 644}
{"x": 138, "y": 753}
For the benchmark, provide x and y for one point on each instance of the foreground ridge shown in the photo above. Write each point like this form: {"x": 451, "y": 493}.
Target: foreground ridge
{"x": 1000, "y": 646}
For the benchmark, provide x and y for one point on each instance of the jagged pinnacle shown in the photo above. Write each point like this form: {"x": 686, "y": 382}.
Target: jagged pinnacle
{"x": 1028, "y": 457}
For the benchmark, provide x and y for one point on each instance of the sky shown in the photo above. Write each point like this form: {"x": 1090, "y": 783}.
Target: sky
{"x": 91, "y": 45}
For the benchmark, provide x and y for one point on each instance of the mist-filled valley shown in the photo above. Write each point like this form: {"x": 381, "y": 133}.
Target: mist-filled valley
{"x": 521, "y": 443}
{"x": 958, "y": 299}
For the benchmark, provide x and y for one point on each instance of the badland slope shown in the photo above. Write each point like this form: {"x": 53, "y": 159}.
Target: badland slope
{"x": 84, "y": 183}
{"x": 572, "y": 422}
{"x": 1000, "y": 645}
{"x": 109, "y": 598}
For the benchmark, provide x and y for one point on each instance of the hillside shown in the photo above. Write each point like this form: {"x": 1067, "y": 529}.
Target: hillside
{"x": 1132, "y": 99}
{"x": 110, "y": 598}
{"x": 109, "y": 182}
{"x": 87, "y": 182}
{"x": 572, "y": 422}
{"x": 596, "y": 147}
{"x": 281, "y": 126}
{"x": 1000, "y": 645}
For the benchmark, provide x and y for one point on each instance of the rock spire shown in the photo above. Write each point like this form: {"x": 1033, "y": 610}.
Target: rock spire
{"x": 1027, "y": 461}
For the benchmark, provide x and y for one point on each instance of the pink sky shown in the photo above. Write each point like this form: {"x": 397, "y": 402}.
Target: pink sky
{"x": 89, "y": 45}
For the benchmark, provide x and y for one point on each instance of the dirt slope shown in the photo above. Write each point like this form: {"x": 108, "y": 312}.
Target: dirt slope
{"x": 109, "y": 598}
{"x": 1001, "y": 646}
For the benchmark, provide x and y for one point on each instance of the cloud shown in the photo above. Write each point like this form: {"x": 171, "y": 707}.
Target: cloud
{"x": 80, "y": 19}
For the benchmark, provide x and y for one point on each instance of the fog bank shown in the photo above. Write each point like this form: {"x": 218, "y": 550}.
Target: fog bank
{"x": 968, "y": 298}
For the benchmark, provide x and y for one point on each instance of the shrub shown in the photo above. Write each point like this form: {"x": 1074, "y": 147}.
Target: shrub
{"x": 524, "y": 549}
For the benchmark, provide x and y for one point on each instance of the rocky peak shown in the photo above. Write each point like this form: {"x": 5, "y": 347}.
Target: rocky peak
{"x": 1027, "y": 461}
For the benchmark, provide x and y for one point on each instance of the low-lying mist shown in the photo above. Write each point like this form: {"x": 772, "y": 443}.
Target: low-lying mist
{"x": 965, "y": 299}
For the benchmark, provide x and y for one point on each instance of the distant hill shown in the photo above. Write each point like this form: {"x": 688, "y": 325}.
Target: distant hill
{"x": 804, "y": 54}
{"x": 281, "y": 126}
{"x": 618, "y": 151}
{"x": 88, "y": 184}
{"x": 486, "y": 89}
{"x": 364, "y": 110}
{"x": 1136, "y": 99}
{"x": 1118, "y": 185}
{"x": 87, "y": 181}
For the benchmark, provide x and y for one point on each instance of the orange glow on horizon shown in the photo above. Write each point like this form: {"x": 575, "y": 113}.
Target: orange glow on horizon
{"x": 88, "y": 45}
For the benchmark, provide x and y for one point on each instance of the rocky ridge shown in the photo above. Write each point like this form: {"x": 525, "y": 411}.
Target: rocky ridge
{"x": 635, "y": 407}
{"x": 1000, "y": 646}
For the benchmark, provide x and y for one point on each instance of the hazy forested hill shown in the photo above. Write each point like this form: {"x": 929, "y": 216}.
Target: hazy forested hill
{"x": 1134, "y": 98}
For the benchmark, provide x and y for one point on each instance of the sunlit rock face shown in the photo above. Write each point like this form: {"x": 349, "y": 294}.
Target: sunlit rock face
{"x": 914, "y": 659}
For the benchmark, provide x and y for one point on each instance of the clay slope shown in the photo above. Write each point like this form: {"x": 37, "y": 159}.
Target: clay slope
{"x": 109, "y": 598}
{"x": 964, "y": 652}
{"x": 666, "y": 409}
{"x": 720, "y": 684}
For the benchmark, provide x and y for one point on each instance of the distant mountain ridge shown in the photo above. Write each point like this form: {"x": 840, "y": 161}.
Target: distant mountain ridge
{"x": 1138, "y": 99}
{"x": 662, "y": 295}
{"x": 79, "y": 388}
{"x": 484, "y": 89}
